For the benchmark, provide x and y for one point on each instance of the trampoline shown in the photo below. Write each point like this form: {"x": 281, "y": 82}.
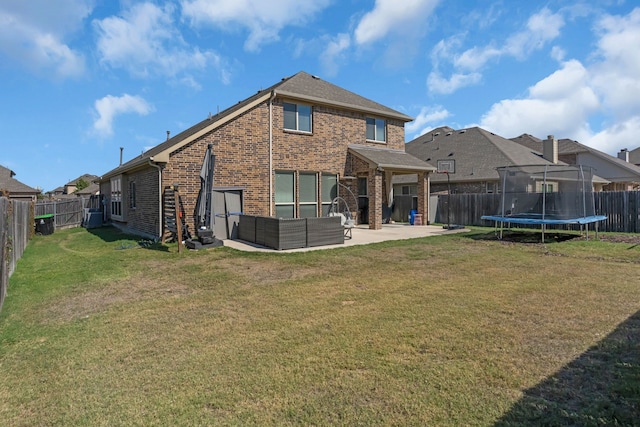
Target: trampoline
{"x": 546, "y": 195}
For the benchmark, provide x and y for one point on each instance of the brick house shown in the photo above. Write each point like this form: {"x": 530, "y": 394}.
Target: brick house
{"x": 286, "y": 151}
{"x": 471, "y": 156}
{"x": 70, "y": 189}
{"x": 14, "y": 189}
{"x": 620, "y": 171}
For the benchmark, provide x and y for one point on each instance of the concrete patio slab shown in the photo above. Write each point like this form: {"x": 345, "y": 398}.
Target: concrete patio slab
{"x": 362, "y": 235}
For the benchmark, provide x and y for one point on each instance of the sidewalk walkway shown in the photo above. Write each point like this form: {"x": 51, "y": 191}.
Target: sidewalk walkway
{"x": 362, "y": 235}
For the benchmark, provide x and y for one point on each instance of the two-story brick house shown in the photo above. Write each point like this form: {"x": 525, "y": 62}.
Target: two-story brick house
{"x": 286, "y": 151}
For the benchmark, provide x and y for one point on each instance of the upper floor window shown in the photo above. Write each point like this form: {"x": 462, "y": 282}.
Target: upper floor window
{"x": 297, "y": 117}
{"x": 376, "y": 129}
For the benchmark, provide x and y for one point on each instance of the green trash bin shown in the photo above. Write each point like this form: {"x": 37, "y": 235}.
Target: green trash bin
{"x": 45, "y": 224}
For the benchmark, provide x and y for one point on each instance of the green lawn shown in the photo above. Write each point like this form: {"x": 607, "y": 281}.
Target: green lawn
{"x": 449, "y": 330}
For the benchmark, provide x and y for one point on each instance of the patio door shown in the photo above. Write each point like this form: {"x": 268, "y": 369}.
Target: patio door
{"x": 363, "y": 201}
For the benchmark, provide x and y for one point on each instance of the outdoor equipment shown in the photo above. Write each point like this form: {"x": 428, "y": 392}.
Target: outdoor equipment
{"x": 546, "y": 195}
{"x": 204, "y": 205}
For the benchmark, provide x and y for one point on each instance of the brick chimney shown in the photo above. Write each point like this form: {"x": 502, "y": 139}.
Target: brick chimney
{"x": 550, "y": 149}
{"x": 624, "y": 155}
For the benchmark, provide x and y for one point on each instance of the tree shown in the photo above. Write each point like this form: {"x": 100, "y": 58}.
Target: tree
{"x": 81, "y": 184}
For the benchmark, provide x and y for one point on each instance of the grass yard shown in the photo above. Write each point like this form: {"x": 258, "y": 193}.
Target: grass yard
{"x": 441, "y": 331}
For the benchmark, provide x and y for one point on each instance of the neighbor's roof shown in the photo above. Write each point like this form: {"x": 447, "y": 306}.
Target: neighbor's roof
{"x": 86, "y": 177}
{"x": 476, "y": 152}
{"x": 8, "y": 182}
{"x": 388, "y": 159}
{"x": 301, "y": 86}
{"x": 634, "y": 156}
{"x": 569, "y": 146}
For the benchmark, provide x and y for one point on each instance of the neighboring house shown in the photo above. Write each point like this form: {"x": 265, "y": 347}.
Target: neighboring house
{"x": 70, "y": 189}
{"x": 286, "y": 151}
{"x": 471, "y": 158}
{"x": 14, "y": 189}
{"x": 622, "y": 174}
{"x": 632, "y": 156}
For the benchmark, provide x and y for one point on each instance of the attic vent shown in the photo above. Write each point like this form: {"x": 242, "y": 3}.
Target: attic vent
{"x": 316, "y": 77}
{"x": 448, "y": 133}
{"x": 451, "y": 154}
{"x": 436, "y": 134}
{"x": 463, "y": 131}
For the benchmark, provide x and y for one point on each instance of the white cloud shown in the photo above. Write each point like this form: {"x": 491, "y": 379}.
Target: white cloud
{"x": 428, "y": 118}
{"x": 541, "y": 28}
{"x": 438, "y": 84}
{"x": 109, "y": 107}
{"x": 33, "y": 34}
{"x": 475, "y": 58}
{"x": 145, "y": 41}
{"x": 388, "y": 16}
{"x": 617, "y": 75}
{"x": 568, "y": 102}
{"x": 620, "y": 135}
{"x": 263, "y": 19}
{"x": 560, "y": 104}
{"x": 334, "y": 53}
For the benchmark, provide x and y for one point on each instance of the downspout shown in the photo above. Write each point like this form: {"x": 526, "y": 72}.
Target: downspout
{"x": 159, "y": 196}
{"x": 273, "y": 96}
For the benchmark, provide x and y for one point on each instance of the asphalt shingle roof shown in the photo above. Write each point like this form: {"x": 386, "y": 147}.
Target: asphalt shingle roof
{"x": 302, "y": 86}
{"x": 8, "y": 182}
{"x": 476, "y": 152}
{"x": 569, "y": 146}
{"x": 390, "y": 159}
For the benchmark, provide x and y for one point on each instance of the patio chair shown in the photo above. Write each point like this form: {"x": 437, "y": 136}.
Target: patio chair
{"x": 340, "y": 208}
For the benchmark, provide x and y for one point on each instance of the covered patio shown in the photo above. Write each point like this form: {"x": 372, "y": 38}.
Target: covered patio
{"x": 378, "y": 166}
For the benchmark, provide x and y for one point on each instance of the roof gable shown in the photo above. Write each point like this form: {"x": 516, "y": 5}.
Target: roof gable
{"x": 301, "y": 86}
{"x": 8, "y": 182}
{"x": 476, "y": 152}
{"x": 569, "y": 146}
{"x": 307, "y": 87}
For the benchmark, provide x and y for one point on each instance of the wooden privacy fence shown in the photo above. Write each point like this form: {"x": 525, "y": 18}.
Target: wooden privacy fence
{"x": 68, "y": 213}
{"x": 621, "y": 207}
{"x": 16, "y": 227}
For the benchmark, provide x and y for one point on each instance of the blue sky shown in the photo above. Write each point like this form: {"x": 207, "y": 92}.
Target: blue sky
{"x": 81, "y": 78}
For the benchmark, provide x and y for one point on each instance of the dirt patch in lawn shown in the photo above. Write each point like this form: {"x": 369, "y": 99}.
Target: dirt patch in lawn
{"x": 93, "y": 301}
{"x": 631, "y": 238}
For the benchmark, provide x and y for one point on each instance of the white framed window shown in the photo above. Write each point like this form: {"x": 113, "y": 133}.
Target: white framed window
{"x": 308, "y": 187}
{"x": 297, "y": 117}
{"x": 116, "y": 197}
{"x": 329, "y": 191}
{"x": 376, "y": 129}
{"x": 551, "y": 187}
{"x": 285, "y": 194}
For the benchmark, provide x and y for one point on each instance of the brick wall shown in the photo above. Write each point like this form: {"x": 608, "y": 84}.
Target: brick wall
{"x": 241, "y": 147}
{"x": 242, "y": 152}
{"x": 145, "y": 216}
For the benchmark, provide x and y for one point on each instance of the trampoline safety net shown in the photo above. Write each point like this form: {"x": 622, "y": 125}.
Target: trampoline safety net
{"x": 546, "y": 194}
